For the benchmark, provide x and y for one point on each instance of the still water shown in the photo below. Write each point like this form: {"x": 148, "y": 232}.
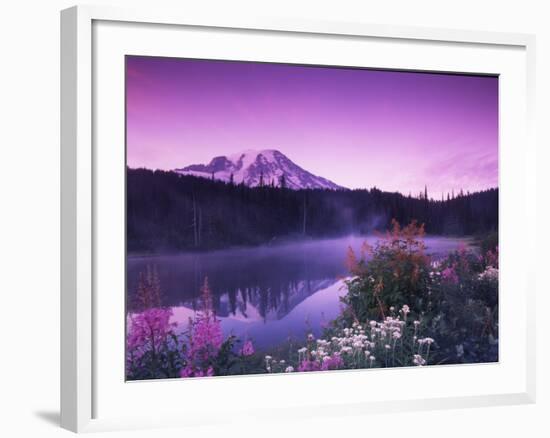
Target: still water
{"x": 268, "y": 294}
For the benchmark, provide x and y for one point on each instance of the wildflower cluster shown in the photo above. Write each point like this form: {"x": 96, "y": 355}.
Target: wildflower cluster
{"x": 393, "y": 341}
{"x": 158, "y": 348}
{"x": 204, "y": 339}
{"x": 149, "y": 329}
{"x": 456, "y": 295}
{"x": 393, "y": 272}
{"x": 489, "y": 274}
{"x": 151, "y": 343}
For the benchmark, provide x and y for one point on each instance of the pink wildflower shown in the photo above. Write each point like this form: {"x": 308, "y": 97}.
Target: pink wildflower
{"x": 205, "y": 330}
{"x": 188, "y": 371}
{"x": 449, "y": 275}
{"x": 333, "y": 362}
{"x": 309, "y": 365}
{"x": 149, "y": 329}
{"x": 248, "y": 349}
{"x": 205, "y": 339}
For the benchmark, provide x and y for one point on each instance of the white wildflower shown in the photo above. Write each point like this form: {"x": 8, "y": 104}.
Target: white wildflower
{"x": 418, "y": 360}
{"x": 490, "y": 274}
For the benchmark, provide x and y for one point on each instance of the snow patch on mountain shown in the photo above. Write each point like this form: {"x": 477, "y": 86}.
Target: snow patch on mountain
{"x": 268, "y": 167}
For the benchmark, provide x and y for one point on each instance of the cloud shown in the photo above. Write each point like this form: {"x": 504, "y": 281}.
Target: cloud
{"x": 467, "y": 171}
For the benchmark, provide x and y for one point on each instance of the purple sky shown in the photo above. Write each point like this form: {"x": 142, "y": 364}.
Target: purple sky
{"x": 360, "y": 128}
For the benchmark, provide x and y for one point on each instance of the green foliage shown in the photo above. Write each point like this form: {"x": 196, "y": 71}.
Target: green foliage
{"x": 230, "y": 362}
{"x": 164, "y": 362}
{"x": 393, "y": 272}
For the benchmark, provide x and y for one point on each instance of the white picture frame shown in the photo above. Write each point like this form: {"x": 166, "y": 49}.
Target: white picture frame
{"x": 83, "y": 369}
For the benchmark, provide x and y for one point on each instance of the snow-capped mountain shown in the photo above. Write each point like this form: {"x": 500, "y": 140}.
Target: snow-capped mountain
{"x": 259, "y": 167}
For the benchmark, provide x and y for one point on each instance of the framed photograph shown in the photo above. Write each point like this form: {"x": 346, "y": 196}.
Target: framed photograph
{"x": 270, "y": 218}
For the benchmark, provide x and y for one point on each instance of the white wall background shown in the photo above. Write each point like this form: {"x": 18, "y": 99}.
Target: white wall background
{"x": 29, "y": 213}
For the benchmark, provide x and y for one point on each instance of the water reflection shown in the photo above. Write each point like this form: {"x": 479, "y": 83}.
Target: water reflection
{"x": 256, "y": 290}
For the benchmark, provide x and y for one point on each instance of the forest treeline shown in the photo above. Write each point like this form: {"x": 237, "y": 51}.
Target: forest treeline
{"x": 168, "y": 212}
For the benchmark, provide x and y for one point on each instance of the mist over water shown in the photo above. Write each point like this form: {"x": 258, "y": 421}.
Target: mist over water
{"x": 267, "y": 293}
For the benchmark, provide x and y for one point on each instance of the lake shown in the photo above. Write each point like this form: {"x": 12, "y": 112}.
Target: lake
{"x": 268, "y": 294}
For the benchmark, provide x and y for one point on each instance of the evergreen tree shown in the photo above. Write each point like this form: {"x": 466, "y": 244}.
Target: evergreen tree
{"x": 167, "y": 211}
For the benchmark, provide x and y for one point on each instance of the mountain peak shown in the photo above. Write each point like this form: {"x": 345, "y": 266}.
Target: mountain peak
{"x": 255, "y": 167}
